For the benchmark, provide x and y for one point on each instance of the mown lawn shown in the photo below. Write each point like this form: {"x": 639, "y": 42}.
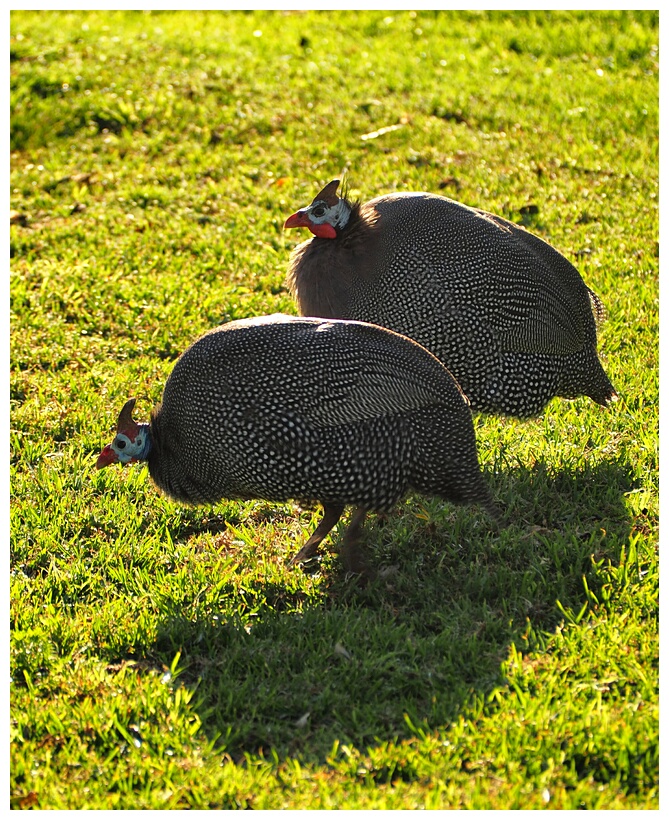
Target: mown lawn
{"x": 167, "y": 657}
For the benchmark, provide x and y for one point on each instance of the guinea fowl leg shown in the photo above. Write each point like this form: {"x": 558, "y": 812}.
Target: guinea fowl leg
{"x": 331, "y": 515}
{"x": 497, "y": 518}
{"x": 350, "y": 548}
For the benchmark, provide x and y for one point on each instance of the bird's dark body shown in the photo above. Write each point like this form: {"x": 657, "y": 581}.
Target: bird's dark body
{"x": 507, "y": 314}
{"x": 288, "y": 408}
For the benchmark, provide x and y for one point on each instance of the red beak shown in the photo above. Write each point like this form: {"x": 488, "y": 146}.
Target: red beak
{"x": 106, "y": 457}
{"x": 298, "y": 220}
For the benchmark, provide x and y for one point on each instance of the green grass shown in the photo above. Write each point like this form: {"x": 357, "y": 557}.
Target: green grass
{"x": 166, "y": 657}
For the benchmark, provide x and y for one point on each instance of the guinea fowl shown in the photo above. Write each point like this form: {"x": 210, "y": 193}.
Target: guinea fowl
{"x": 282, "y": 407}
{"x": 506, "y": 313}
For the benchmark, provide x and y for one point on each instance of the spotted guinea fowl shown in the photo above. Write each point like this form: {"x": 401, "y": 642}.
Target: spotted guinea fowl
{"x": 506, "y": 313}
{"x": 282, "y": 407}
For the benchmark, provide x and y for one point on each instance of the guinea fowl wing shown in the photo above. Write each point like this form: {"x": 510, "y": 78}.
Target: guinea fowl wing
{"x": 541, "y": 302}
{"x": 474, "y": 263}
{"x": 370, "y": 374}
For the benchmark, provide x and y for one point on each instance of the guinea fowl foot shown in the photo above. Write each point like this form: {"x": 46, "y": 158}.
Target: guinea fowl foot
{"x": 331, "y": 515}
{"x": 498, "y": 521}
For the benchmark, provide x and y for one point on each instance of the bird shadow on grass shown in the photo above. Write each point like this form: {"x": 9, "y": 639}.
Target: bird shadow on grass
{"x": 366, "y": 663}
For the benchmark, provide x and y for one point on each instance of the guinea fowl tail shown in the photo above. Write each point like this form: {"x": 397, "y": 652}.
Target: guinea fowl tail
{"x": 605, "y": 399}
{"x": 600, "y": 388}
{"x": 585, "y": 376}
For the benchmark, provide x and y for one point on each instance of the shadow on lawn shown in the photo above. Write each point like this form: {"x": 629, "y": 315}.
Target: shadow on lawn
{"x": 361, "y": 664}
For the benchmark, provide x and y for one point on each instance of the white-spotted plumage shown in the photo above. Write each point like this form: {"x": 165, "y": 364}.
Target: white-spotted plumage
{"x": 337, "y": 412}
{"x": 508, "y": 315}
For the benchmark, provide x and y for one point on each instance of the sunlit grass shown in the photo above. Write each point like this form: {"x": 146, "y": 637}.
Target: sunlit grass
{"x": 167, "y": 657}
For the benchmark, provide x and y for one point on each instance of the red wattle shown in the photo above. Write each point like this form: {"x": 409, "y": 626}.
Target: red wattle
{"x": 324, "y": 230}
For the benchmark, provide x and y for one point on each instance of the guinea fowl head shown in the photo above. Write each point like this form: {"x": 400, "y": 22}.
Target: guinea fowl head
{"x": 326, "y": 215}
{"x": 132, "y": 442}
